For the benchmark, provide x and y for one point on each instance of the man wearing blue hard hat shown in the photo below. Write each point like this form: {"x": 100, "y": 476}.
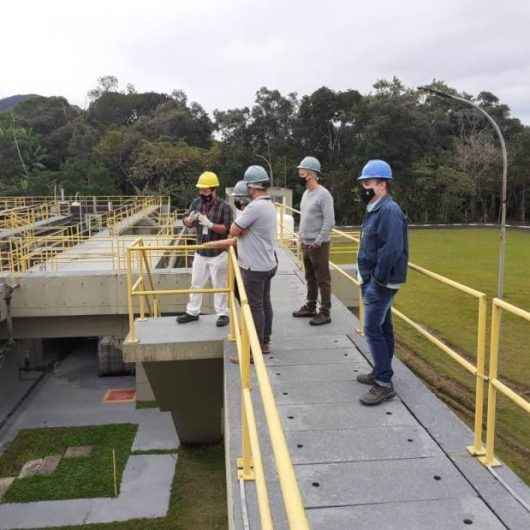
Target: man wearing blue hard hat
{"x": 382, "y": 268}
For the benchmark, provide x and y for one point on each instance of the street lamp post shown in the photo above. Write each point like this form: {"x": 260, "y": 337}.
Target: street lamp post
{"x": 502, "y": 247}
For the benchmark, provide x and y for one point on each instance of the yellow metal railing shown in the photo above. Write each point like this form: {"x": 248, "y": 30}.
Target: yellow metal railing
{"x": 21, "y": 216}
{"x": 477, "y": 370}
{"x": 494, "y": 384}
{"x": 22, "y": 252}
{"x": 243, "y": 332}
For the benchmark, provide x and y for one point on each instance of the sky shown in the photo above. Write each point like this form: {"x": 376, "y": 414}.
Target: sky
{"x": 221, "y": 52}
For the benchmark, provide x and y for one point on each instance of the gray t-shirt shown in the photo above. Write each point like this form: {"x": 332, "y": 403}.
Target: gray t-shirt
{"x": 317, "y": 216}
{"x": 255, "y": 249}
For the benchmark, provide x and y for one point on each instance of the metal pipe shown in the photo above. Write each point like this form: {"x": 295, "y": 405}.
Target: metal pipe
{"x": 502, "y": 245}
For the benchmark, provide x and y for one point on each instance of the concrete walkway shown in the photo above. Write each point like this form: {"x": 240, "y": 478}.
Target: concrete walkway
{"x": 402, "y": 465}
{"x": 72, "y": 396}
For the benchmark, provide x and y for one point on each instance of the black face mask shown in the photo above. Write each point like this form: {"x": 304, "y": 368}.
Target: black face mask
{"x": 206, "y": 198}
{"x": 240, "y": 203}
{"x": 366, "y": 195}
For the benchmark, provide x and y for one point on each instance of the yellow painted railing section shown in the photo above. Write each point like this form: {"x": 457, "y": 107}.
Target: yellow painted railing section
{"x": 494, "y": 384}
{"x": 243, "y": 332}
{"x": 290, "y": 240}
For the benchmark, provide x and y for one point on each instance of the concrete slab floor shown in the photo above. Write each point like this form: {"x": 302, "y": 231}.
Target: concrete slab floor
{"x": 388, "y": 467}
{"x": 72, "y": 396}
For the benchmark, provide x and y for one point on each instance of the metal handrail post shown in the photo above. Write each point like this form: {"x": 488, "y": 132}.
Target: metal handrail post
{"x": 477, "y": 449}
{"x": 489, "y": 459}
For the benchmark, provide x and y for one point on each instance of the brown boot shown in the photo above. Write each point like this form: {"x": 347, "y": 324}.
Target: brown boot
{"x": 305, "y": 311}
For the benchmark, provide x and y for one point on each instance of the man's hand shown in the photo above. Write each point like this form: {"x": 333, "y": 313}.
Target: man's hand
{"x": 312, "y": 246}
{"x": 204, "y": 221}
{"x": 192, "y": 217}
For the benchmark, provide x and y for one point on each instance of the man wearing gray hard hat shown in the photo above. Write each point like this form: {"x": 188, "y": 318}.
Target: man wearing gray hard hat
{"x": 316, "y": 221}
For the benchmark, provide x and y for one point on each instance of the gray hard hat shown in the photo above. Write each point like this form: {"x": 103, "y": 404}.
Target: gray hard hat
{"x": 240, "y": 189}
{"x": 256, "y": 175}
{"x": 311, "y": 163}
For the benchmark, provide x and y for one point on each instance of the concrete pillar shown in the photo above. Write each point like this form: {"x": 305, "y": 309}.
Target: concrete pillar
{"x": 193, "y": 392}
{"x": 110, "y": 357}
{"x": 144, "y": 392}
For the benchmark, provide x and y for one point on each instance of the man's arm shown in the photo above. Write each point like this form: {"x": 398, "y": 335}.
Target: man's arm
{"x": 189, "y": 218}
{"x": 244, "y": 222}
{"x": 221, "y": 243}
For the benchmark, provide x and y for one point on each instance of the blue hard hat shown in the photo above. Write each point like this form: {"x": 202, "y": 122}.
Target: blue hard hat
{"x": 376, "y": 169}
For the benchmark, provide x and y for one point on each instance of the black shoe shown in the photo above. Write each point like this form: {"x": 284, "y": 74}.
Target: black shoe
{"x": 366, "y": 379}
{"x": 222, "y": 321}
{"x": 320, "y": 319}
{"x": 186, "y": 317}
{"x": 305, "y": 311}
{"x": 377, "y": 395}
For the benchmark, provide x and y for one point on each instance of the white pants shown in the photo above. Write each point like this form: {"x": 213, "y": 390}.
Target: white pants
{"x": 215, "y": 269}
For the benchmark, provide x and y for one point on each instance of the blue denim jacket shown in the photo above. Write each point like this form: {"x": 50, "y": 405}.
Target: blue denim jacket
{"x": 384, "y": 249}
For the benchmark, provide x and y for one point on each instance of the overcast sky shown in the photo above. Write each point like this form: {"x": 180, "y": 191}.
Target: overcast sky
{"x": 221, "y": 52}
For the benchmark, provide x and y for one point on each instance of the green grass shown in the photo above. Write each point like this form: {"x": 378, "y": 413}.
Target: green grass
{"x": 146, "y": 405}
{"x": 74, "y": 478}
{"x": 468, "y": 256}
{"x": 198, "y": 496}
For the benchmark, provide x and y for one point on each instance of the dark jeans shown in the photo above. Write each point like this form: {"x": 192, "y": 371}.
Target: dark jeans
{"x": 317, "y": 276}
{"x": 378, "y": 328}
{"x": 258, "y": 287}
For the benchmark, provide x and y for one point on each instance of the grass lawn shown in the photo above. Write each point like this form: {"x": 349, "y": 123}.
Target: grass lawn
{"x": 74, "y": 478}
{"x": 468, "y": 256}
{"x": 198, "y": 495}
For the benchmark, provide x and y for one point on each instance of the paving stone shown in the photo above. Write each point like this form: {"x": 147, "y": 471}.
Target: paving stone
{"x": 41, "y": 466}
{"x": 80, "y": 451}
{"x": 4, "y": 485}
{"x": 440, "y": 514}
{"x": 31, "y": 468}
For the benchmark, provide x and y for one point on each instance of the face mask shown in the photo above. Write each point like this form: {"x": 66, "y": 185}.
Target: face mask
{"x": 366, "y": 195}
{"x": 206, "y": 198}
{"x": 240, "y": 203}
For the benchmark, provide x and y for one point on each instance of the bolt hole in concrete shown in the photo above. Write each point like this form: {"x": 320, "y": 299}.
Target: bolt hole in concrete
{"x": 389, "y": 413}
{"x": 468, "y": 521}
{"x": 285, "y": 393}
{"x": 410, "y": 440}
{"x": 345, "y": 355}
{"x": 437, "y": 477}
{"x": 316, "y": 484}
{"x": 277, "y": 373}
{"x": 299, "y": 446}
{"x": 356, "y": 371}
{"x": 271, "y": 356}
{"x": 291, "y": 417}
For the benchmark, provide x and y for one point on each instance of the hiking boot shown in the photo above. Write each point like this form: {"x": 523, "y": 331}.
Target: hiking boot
{"x": 320, "y": 319}
{"x": 366, "y": 379}
{"x": 266, "y": 348}
{"x": 222, "y": 321}
{"x": 305, "y": 311}
{"x": 186, "y": 317}
{"x": 377, "y": 394}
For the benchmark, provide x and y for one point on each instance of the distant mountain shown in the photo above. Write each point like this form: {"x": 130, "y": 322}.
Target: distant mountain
{"x": 11, "y": 101}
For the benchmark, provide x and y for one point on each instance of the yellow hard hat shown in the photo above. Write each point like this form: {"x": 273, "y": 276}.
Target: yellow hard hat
{"x": 208, "y": 180}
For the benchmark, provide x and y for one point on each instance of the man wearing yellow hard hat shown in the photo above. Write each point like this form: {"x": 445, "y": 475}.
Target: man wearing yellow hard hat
{"x": 211, "y": 217}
